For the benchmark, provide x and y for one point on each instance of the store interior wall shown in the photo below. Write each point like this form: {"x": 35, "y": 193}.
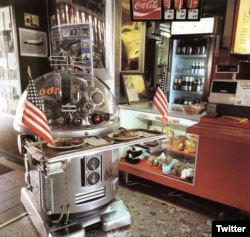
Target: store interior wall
{"x": 38, "y": 65}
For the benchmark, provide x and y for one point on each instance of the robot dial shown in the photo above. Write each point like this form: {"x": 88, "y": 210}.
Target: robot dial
{"x": 93, "y": 163}
{"x": 93, "y": 178}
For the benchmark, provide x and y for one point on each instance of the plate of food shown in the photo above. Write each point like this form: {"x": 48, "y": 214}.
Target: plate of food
{"x": 67, "y": 143}
{"x": 125, "y": 134}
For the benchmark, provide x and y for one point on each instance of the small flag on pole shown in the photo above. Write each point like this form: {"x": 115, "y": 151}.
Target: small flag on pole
{"x": 160, "y": 100}
{"x": 33, "y": 116}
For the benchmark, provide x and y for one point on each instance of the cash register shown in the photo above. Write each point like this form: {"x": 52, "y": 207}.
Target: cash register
{"x": 229, "y": 98}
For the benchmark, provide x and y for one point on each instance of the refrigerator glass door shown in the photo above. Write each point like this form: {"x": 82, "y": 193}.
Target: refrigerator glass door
{"x": 188, "y": 74}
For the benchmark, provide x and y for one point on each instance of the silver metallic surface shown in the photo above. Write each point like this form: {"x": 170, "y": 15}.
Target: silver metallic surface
{"x": 70, "y": 189}
{"x": 75, "y": 104}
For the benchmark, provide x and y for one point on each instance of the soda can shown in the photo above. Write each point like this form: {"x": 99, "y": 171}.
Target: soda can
{"x": 178, "y": 4}
{"x": 167, "y": 4}
{"x": 192, "y": 4}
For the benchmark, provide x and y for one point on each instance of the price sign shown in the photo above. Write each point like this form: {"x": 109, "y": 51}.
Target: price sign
{"x": 193, "y": 14}
{"x": 169, "y": 14}
{"x": 181, "y": 14}
{"x": 242, "y": 96}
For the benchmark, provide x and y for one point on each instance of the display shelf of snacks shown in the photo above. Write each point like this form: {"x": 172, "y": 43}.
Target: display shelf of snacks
{"x": 170, "y": 161}
{"x": 209, "y": 145}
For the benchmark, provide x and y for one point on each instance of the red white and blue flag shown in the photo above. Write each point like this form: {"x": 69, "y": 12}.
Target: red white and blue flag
{"x": 33, "y": 116}
{"x": 160, "y": 100}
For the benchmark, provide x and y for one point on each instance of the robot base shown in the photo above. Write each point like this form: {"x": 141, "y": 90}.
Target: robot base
{"x": 112, "y": 216}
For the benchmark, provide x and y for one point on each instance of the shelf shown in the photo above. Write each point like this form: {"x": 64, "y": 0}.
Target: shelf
{"x": 189, "y": 74}
{"x": 172, "y": 120}
{"x": 54, "y": 155}
{"x": 190, "y": 56}
{"x": 175, "y": 153}
{"x": 178, "y": 152}
{"x": 193, "y": 92}
{"x": 143, "y": 167}
{"x": 174, "y": 129}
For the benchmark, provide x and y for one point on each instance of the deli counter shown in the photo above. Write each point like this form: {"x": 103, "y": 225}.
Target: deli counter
{"x": 220, "y": 159}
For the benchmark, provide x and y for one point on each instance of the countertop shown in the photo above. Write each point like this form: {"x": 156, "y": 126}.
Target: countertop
{"x": 222, "y": 128}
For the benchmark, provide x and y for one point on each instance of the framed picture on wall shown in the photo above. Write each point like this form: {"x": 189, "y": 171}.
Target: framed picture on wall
{"x": 33, "y": 43}
{"x": 135, "y": 87}
{"x": 31, "y": 20}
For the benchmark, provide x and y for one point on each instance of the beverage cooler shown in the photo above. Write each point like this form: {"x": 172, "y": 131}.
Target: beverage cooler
{"x": 192, "y": 51}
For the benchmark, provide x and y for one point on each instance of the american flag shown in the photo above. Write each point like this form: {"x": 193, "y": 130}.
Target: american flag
{"x": 33, "y": 116}
{"x": 160, "y": 100}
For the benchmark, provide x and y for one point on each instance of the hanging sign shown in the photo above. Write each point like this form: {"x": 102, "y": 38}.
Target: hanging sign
{"x": 172, "y": 10}
{"x": 146, "y": 9}
{"x": 182, "y": 10}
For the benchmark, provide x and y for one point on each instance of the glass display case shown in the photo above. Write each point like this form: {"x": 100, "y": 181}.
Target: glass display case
{"x": 172, "y": 159}
{"x": 10, "y": 89}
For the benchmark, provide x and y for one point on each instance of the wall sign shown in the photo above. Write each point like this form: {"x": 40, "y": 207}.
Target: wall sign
{"x": 242, "y": 96}
{"x": 146, "y": 9}
{"x": 171, "y": 10}
{"x": 241, "y": 32}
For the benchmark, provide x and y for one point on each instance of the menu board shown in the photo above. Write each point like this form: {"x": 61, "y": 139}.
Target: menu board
{"x": 241, "y": 33}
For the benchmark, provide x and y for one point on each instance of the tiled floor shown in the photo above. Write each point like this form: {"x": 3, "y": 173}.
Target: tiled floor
{"x": 10, "y": 205}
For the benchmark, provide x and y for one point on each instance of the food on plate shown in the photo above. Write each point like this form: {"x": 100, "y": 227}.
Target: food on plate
{"x": 126, "y": 134}
{"x": 67, "y": 141}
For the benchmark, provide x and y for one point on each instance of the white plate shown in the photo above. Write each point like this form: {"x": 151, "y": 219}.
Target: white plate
{"x": 81, "y": 142}
{"x": 111, "y": 135}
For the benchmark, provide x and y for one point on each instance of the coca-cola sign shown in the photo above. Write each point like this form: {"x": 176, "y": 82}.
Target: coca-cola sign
{"x": 146, "y": 9}
{"x": 169, "y": 10}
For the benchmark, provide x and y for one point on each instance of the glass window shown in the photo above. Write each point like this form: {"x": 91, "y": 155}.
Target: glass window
{"x": 9, "y": 72}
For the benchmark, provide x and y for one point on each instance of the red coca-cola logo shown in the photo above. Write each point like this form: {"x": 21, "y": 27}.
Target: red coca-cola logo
{"x": 143, "y": 5}
{"x": 147, "y": 9}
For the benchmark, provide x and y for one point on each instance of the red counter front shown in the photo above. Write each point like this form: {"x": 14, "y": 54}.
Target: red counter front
{"x": 222, "y": 157}
{"x": 223, "y": 162}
